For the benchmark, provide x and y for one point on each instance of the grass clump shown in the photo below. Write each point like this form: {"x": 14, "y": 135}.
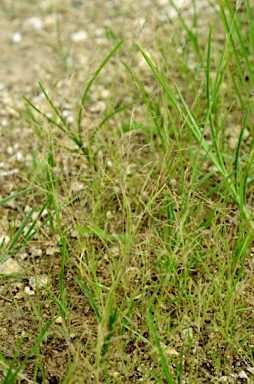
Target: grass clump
{"x": 151, "y": 278}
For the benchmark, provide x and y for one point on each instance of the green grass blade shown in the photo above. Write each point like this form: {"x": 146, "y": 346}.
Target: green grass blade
{"x": 109, "y": 116}
{"x": 17, "y": 194}
{"x": 21, "y": 229}
{"x": 237, "y": 153}
{"x": 111, "y": 54}
{"x": 191, "y": 36}
{"x": 191, "y": 123}
{"x": 90, "y": 298}
{"x": 161, "y": 81}
{"x": 115, "y": 112}
{"x": 158, "y": 346}
{"x": 154, "y": 376}
{"x": 154, "y": 112}
{"x": 250, "y": 25}
{"x": 64, "y": 129}
{"x": 54, "y": 108}
{"x": 32, "y": 351}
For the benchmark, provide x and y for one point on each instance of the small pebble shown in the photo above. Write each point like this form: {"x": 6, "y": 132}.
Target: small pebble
{"x": 16, "y": 38}
{"x": 242, "y": 375}
{"x": 19, "y": 156}
{"x": 100, "y": 106}
{"x": 33, "y": 22}
{"x": 59, "y": 320}
{"x": 9, "y": 267}
{"x": 28, "y": 291}
{"x": 78, "y": 37}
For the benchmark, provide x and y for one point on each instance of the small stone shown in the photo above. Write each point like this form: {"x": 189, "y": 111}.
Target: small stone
{"x": 169, "y": 350}
{"x": 34, "y": 23}
{"x": 51, "y": 251}
{"x": 23, "y": 256}
{"x": 100, "y": 106}
{"x": 162, "y": 3}
{"x": 28, "y": 291}
{"x": 251, "y": 370}
{"x": 101, "y": 40}
{"x": 9, "y": 267}
{"x": 59, "y": 320}
{"x": 9, "y": 150}
{"x": 242, "y": 375}
{"x": 38, "y": 282}
{"x": 76, "y": 186}
{"x": 19, "y": 156}
{"x": 79, "y": 36}
{"x": 35, "y": 214}
{"x": 109, "y": 215}
{"x": 16, "y": 38}
{"x": 36, "y": 252}
{"x": 65, "y": 113}
{"x": 105, "y": 93}
{"x": 4, "y": 122}
{"x": 99, "y": 32}
{"x": 70, "y": 119}
{"x": 9, "y": 173}
{"x": 223, "y": 379}
{"x": 72, "y": 337}
{"x": 74, "y": 234}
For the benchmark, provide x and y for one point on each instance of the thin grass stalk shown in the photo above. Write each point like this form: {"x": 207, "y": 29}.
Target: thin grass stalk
{"x": 83, "y": 99}
{"x": 229, "y": 30}
{"x": 191, "y": 123}
{"x": 250, "y": 25}
{"x": 158, "y": 346}
{"x": 220, "y": 167}
{"x": 12, "y": 378}
{"x": 237, "y": 153}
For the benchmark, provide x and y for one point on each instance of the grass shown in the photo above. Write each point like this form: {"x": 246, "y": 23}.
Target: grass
{"x": 152, "y": 269}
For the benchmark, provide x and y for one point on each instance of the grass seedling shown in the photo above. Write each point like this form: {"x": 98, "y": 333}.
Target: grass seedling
{"x": 11, "y": 373}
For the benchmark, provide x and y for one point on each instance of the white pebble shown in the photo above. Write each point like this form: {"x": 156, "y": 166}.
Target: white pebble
{"x": 34, "y": 22}
{"x": 9, "y": 173}
{"x": 77, "y": 37}
{"x": 4, "y": 123}
{"x": 105, "y": 93}
{"x": 99, "y": 32}
{"x": 100, "y": 106}
{"x": 242, "y": 375}
{"x": 16, "y": 38}
{"x": 9, "y": 150}
{"x": 70, "y": 119}
{"x": 29, "y": 291}
{"x": 19, "y": 156}
{"x": 59, "y": 320}
{"x": 65, "y": 113}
